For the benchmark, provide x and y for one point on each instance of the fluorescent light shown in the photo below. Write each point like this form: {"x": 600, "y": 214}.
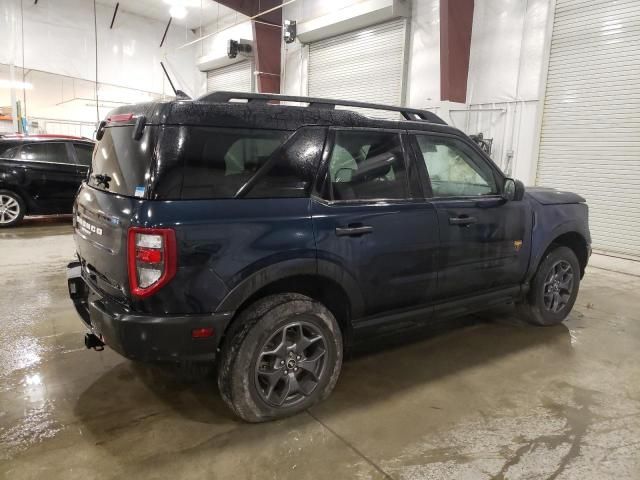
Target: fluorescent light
{"x": 183, "y": 3}
{"x": 178, "y": 11}
{"x": 15, "y": 84}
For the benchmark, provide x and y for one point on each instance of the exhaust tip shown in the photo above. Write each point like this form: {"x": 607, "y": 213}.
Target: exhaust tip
{"x": 92, "y": 341}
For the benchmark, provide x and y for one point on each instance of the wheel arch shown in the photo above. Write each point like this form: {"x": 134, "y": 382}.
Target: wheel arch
{"x": 331, "y": 285}
{"x": 573, "y": 240}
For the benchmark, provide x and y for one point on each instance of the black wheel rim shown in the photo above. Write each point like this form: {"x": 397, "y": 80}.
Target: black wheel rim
{"x": 290, "y": 364}
{"x": 558, "y": 286}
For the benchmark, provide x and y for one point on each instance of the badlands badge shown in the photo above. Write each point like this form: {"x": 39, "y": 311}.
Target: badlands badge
{"x": 517, "y": 244}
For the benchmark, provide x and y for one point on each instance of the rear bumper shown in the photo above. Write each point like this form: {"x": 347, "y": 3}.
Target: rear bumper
{"x": 144, "y": 337}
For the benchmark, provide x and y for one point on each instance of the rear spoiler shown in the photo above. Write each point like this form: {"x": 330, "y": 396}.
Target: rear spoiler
{"x": 123, "y": 118}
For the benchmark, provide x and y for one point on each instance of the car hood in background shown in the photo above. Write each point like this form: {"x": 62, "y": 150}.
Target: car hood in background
{"x": 551, "y": 196}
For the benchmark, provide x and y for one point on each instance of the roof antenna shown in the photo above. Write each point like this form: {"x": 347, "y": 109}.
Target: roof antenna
{"x": 180, "y": 95}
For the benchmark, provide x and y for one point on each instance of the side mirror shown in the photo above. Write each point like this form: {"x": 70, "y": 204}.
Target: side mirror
{"x": 513, "y": 190}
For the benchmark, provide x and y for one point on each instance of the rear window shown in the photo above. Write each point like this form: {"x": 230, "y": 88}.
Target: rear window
{"x": 120, "y": 163}
{"x": 223, "y": 163}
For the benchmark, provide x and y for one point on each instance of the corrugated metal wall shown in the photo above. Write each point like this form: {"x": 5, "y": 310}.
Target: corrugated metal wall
{"x": 365, "y": 65}
{"x": 235, "y": 78}
{"x": 590, "y": 138}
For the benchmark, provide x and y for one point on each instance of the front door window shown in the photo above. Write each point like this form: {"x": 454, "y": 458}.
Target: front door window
{"x": 453, "y": 173}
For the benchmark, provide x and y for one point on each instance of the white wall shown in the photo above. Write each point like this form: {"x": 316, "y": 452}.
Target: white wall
{"x": 59, "y": 38}
{"x": 505, "y": 66}
{"x": 423, "y": 86}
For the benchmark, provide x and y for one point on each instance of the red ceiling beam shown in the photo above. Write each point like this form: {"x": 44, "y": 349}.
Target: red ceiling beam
{"x": 456, "y": 21}
{"x": 266, "y": 39}
{"x": 251, "y": 8}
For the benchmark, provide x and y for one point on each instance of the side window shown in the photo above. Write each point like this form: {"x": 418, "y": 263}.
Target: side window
{"x": 9, "y": 151}
{"x": 217, "y": 162}
{"x": 452, "y": 171}
{"x": 83, "y": 153}
{"x": 291, "y": 170}
{"x": 45, "y": 152}
{"x": 36, "y": 152}
{"x": 366, "y": 165}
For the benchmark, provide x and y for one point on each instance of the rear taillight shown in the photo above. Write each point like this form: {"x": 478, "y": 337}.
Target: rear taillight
{"x": 152, "y": 259}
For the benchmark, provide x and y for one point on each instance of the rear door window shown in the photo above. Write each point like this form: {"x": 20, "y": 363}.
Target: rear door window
{"x": 219, "y": 162}
{"x": 83, "y": 153}
{"x": 366, "y": 165}
{"x": 44, "y": 152}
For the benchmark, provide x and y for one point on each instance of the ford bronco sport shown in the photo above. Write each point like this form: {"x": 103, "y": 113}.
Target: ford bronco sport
{"x": 268, "y": 237}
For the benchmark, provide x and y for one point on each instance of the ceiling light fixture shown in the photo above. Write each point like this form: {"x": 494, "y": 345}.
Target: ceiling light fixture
{"x": 183, "y": 3}
{"x": 178, "y": 12}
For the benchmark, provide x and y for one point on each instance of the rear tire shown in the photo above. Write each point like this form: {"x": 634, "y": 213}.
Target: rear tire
{"x": 554, "y": 288}
{"x": 12, "y": 208}
{"x": 282, "y": 355}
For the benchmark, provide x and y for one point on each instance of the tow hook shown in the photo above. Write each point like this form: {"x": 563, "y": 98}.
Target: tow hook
{"x": 91, "y": 341}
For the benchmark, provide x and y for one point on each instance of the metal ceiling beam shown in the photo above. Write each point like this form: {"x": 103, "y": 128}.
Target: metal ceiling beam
{"x": 115, "y": 12}
{"x": 251, "y": 8}
{"x": 165, "y": 32}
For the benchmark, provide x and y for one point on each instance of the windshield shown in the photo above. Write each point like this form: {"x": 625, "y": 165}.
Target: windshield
{"x": 121, "y": 164}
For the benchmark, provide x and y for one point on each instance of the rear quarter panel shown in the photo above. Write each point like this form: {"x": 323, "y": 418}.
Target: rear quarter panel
{"x": 223, "y": 242}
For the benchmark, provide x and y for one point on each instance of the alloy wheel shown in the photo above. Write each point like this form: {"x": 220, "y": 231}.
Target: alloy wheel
{"x": 558, "y": 286}
{"x": 9, "y": 209}
{"x": 290, "y": 364}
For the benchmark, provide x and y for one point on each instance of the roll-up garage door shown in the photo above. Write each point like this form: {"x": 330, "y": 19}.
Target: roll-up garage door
{"x": 234, "y": 78}
{"x": 590, "y": 138}
{"x": 365, "y": 65}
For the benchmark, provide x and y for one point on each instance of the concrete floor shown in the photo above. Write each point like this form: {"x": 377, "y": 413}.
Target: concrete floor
{"x": 478, "y": 400}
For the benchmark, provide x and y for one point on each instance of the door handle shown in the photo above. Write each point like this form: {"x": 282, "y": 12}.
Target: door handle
{"x": 462, "y": 221}
{"x": 353, "y": 230}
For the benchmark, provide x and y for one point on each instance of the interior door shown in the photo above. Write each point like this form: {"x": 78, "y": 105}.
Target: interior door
{"x": 484, "y": 239}
{"x": 371, "y": 223}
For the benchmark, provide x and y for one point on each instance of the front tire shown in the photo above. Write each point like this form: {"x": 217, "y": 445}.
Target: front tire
{"x": 12, "y": 208}
{"x": 281, "y": 356}
{"x": 554, "y": 288}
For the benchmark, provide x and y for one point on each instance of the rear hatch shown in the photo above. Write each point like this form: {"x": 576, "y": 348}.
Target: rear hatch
{"x": 107, "y": 202}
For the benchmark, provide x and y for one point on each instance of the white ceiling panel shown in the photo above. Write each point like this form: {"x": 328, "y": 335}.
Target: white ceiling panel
{"x": 199, "y": 12}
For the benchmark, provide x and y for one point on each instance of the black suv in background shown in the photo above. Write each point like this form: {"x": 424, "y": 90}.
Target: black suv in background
{"x": 40, "y": 174}
{"x": 269, "y": 237}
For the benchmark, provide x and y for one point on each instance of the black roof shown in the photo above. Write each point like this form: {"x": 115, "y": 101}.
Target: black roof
{"x": 259, "y": 111}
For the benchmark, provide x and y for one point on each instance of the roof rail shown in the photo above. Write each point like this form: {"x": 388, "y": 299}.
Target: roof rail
{"x": 324, "y": 103}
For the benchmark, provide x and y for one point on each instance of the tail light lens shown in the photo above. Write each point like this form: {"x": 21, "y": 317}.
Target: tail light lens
{"x": 152, "y": 259}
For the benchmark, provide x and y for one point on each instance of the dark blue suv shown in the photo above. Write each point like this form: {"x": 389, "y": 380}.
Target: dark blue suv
{"x": 265, "y": 238}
